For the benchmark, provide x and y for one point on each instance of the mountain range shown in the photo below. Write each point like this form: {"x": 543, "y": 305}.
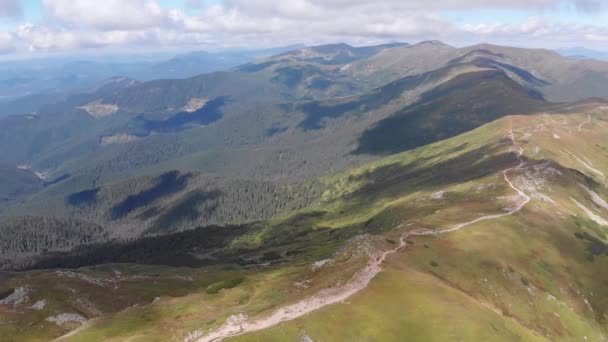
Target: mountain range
{"x": 28, "y": 85}
{"x": 583, "y": 53}
{"x": 288, "y": 196}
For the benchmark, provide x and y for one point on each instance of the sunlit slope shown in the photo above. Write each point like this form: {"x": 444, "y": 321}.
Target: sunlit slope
{"x": 536, "y": 274}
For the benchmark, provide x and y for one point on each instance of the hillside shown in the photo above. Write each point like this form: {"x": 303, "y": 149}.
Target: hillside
{"x": 504, "y": 225}
{"x": 456, "y": 106}
{"x": 257, "y": 102}
{"x": 265, "y": 126}
{"x": 170, "y": 196}
{"x": 17, "y": 182}
{"x": 558, "y": 78}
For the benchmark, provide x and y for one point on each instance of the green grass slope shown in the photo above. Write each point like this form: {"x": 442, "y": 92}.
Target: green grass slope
{"x": 535, "y": 275}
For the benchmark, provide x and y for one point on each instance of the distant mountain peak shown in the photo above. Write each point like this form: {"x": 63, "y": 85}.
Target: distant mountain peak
{"x": 583, "y": 53}
{"x": 433, "y": 42}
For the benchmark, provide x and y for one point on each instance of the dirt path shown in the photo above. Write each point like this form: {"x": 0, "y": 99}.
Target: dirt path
{"x": 361, "y": 279}
{"x": 586, "y": 164}
{"x": 586, "y": 122}
{"x": 76, "y": 331}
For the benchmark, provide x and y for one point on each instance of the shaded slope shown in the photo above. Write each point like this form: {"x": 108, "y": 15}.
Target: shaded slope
{"x": 15, "y": 182}
{"x": 397, "y": 94}
{"x": 459, "y": 105}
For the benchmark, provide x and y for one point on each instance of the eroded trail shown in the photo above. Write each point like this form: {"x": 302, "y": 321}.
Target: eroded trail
{"x": 586, "y": 122}
{"x": 361, "y": 279}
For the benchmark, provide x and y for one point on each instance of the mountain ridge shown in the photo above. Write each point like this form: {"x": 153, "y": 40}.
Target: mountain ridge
{"x": 457, "y": 181}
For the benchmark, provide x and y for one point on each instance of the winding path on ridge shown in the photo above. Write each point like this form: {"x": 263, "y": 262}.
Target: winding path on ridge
{"x": 361, "y": 279}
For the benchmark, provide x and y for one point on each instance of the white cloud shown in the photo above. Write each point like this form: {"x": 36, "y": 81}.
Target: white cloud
{"x": 537, "y": 32}
{"x": 268, "y": 6}
{"x": 7, "y": 42}
{"x": 73, "y": 24}
{"x": 597, "y": 37}
{"x": 305, "y": 20}
{"x": 366, "y": 20}
{"x": 107, "y": 14}
{"x": 45, "y": 38}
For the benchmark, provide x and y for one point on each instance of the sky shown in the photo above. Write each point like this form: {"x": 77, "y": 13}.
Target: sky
{"x": 37, "y": 27}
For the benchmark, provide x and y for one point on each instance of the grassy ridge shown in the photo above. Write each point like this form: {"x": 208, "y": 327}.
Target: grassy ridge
{"x": 524, "y": 277}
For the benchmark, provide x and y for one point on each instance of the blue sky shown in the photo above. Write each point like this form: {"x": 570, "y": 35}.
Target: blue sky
{"x": 70, "y": 26}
